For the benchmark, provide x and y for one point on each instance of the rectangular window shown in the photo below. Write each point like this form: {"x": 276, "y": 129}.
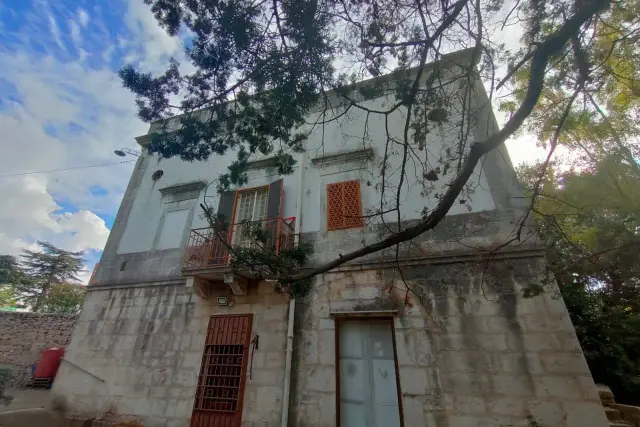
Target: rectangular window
{"x": 344, "y": 205}
{"x": 251, "y": 207}
{"x": 172, "y": 229}
{"x": 367, "y": 374}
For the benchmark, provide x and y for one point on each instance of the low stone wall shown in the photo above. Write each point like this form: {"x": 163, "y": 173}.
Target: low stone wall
{"x": 24, "y": 335}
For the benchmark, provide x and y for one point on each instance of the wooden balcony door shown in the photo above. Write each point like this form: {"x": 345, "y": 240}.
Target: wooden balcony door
{"x": 220, "y": 389}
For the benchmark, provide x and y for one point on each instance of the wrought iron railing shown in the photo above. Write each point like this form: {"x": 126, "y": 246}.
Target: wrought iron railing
{"x": 211, "y": 248}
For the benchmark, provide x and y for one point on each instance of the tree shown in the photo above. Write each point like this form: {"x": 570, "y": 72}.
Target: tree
{"x": 7, "y": 296}
{"x": 592, "y": 246}
{"x": 261, "y": 68}
{"x": 64, "y": 298}
{"x": 8, "y": 267}
{"x": 38, "y": 272}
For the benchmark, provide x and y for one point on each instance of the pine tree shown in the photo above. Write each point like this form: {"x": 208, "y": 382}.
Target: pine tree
{"x": 39, "y": 271}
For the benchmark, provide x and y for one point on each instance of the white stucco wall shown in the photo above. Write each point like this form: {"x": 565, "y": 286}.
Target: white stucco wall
{"x": 344, "y": 134}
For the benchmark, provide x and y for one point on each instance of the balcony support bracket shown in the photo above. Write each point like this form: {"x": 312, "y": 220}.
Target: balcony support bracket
{"x": 237, "y": 284}
{"x": 200, "y": 286}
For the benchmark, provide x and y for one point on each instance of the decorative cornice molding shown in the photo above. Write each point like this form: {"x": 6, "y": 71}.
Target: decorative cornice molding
{"x": 269, "y": 162}
{"x": 143, "y": 140}
{"x": 183, "y": 188}
{"x": 343, "y": 157}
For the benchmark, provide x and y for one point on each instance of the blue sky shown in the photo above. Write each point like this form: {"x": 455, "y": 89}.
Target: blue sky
{"x": 62, "y": 105}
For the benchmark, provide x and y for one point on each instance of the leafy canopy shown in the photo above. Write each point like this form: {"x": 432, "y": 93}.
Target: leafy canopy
{"x": 40, "y": 272}
{"x": 590, "y": 222}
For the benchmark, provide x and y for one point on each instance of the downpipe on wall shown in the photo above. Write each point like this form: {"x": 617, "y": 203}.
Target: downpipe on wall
{"x": 292, "y": 302}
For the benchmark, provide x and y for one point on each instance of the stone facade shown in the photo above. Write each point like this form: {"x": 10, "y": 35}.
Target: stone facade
{"x": 136, "y": 354}
{"x": 471, "y": 351}
{"x": 24, "y": 335}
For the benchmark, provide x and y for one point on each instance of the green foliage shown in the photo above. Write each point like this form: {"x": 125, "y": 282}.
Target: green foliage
{"x": 237, "y": 57}
{"x": 34, "y": 277}
{"x": 590, "y": 222}
{"x": 64, "y": 298}
{"x": 604, "y": 62}
{"x": 7, "y": 296}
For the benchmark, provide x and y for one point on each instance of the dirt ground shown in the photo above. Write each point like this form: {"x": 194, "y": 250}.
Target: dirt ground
{"x": 27, "y": 399}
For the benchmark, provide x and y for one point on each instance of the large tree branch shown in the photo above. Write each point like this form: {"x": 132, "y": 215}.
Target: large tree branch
{"x": 542, "y": 54}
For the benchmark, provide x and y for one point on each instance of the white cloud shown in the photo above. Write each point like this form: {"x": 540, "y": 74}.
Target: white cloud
{"x": 55, "y": 32}
{"x": 88, "y": 230}
{"x": 151, "y": 45}
{"x": 70, "y": 114}
{"x": 74, "y": 29}
{"x": 29, "y": 212}
{"x": 83, "y": 17}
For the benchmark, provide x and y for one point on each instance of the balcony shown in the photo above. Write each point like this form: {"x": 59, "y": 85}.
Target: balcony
{"x": 208, "y": 249}
{"x": 207, "y": 255}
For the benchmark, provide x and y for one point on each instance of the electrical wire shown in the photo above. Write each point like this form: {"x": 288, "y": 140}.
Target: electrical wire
{"x": 66, "y": 169}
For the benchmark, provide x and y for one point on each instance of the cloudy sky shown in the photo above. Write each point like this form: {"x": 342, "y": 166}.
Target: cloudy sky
{"x": 62, "y": 106}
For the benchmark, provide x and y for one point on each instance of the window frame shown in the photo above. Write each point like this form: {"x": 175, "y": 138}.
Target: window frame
{"x": 341, "y": 318}
{"x": 244, "y": 190}
{"x": 344, "y": 226}
{"x": 233, "y": 224}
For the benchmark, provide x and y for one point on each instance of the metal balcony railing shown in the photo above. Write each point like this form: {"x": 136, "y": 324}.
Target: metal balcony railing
{"x": 210, "y": 248}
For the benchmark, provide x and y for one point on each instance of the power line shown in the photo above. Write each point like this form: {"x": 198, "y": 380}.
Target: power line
{"x": 66, "y": 169}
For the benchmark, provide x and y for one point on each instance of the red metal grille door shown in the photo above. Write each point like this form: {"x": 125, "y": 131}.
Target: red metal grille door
{"x": 220, "y": 389}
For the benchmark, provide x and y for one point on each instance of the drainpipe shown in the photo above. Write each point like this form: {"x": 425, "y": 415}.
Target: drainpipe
{"x": 292, "y": 303}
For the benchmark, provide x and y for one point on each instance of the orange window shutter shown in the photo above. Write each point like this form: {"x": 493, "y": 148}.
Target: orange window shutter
{"x": 344, "y": 205}
{"x": 334, "y": 206}
{"x": 352, "y": 204}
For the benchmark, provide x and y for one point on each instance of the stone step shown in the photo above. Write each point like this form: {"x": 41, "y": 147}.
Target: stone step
{"x": 612, "y": 414}
{"x": 620, "y": 423}
{"x": 605, "y": 393}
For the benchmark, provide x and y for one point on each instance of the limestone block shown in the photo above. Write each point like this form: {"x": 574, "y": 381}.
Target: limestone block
{"x": 492, "y": 342}
{"x": 518, "y": 363}
{"x": 413, "y": 381}
{"x": 308, "y": 347}
{"x": 557, "y": 386}
{"x": 565, "y": 363}
{"x": 465, "y": 384}
{"x": 469, "y": 405}
{"x": 588, "y": 387}
{"x": 327, "y": 345}
{"x": 511, "y": 385}
{"x": 534, "y": 342}
{"x": 413, "y": 411}
{"x": 462, "y": 421}
{"x": 274, "y": 359}
{"x": 499, "y": 324}
{"x": 265, "y": 377}
{"x": 183, "y": 408}
{"x": 319, "y": 378}
{"x": 580, "y": 414}
{"x": 506, "y": 406}
{"x": 547, "y": 413}
{"x": 192, "y": 359}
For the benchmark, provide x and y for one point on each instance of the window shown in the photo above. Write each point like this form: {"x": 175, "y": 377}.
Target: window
{"x": 251, "y": 206}
{"x": 172, "y": 229}
{"x": 344, "y": 206}
{"x": 367, "y": 374}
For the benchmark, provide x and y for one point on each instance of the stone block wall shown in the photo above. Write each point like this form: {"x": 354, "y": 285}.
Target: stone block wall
{"x": 24, "y": 335}
{"x": 137, "y": 352}
{"x": 471, "y": 350}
